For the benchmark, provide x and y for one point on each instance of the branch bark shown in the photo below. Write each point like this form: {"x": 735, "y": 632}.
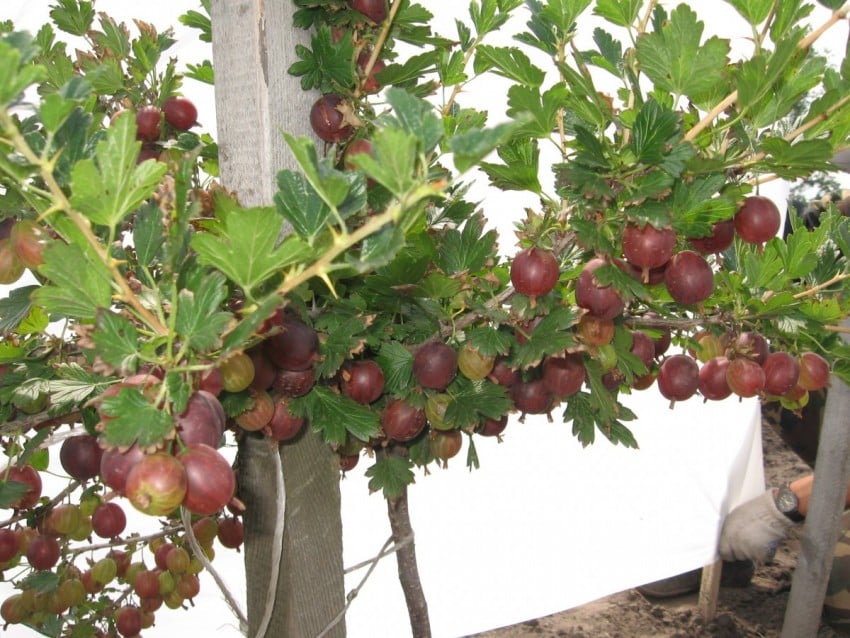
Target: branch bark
{"x": 408, "y": 571}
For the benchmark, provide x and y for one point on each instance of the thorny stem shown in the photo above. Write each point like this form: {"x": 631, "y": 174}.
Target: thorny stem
{"x": 379, "y": 43}
{"x": 81, "y": 222}
{"x": 317, "y": 268}
{"x": 810, "y": 292}
{"x": 40, "y": 421}
{"x": 730, "y": 99}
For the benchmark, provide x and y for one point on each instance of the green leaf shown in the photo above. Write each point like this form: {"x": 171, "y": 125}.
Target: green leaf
{"x": 72, "y": 16}
{"x": 335, "y": 415}
{"x": 753, "y": 11}
{"x": 245, "y": 249}
{"x": 73, "y": 387}
{"x": 241, "y": 333}
{"x": 676, "y": 59}
{"x": 199, "y": 319}
{"x": 390, "y": 474}
{"x": 328, "y": 66}
{"x": 35, "y": 322}
{"x": 116, "y": 340}
{"x": 653, "y": 130}
{"x": 415, "y": 116}
{"x": 397, "y": 363}
{"x": 113, "y": 185}
{"x": 563, "y": 13}
{"x": 393, "y": 160}
{"x": 378, "y": 249}
{"x": 552, "y": 335}
{"x": 508, "y": 62}
{"x": 467, "y": 250}
{"x": 471, "y": 147}
{"x": 799, "y": 159}
{"x": 79, "y": 285}
{"x": 611, "y": 50}
{"x": 623, "y": 13}
{"x": 134, "y": 420}
{"x": 15, "y": 308}
{"x": 472, "y": 400}
{"x": 148, "y": 233}
{"x": 490, "y": 341}
{"x": 11, "y": 491}
{"x": 541, "y": 108}
{"x": 300, "y": 204}
{"x": 54, "y": 110}
{"x": 14, "y": 78}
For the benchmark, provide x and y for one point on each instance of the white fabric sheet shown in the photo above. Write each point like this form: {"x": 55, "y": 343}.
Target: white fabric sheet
{"x": 545, "y": 525}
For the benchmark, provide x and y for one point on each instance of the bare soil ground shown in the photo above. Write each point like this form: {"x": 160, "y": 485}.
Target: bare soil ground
{"x": 756, "y": 611}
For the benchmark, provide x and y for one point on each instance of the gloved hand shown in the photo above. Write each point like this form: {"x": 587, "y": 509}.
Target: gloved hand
{"x": 753, "y": 530}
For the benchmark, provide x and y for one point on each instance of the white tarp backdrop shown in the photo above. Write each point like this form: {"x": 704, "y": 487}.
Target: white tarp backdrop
{"x": 545, "y": 524}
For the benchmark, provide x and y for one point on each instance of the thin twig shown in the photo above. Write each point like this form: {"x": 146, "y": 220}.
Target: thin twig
{"x": 372, "y": 563}
{"x": 186, "y": 517}
{"x": 81, "y": 222}
{"x": 53, "y": 502}
{"x": 166, "y": 531}
{"x": 809, "y": 292}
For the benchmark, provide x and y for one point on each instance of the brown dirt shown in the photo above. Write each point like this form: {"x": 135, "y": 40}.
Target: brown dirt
{"x": 756, "y": 611}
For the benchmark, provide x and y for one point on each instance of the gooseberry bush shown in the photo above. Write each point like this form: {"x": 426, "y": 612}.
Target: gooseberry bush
{"x": 370, "y": 301}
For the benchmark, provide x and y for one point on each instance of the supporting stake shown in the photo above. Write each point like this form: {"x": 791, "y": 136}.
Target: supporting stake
{"x": 823, "y": 521}
{"x": 709, "y": 590}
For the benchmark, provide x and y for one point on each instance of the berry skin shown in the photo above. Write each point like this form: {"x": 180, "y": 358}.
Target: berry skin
{"x": 180, "y": 113}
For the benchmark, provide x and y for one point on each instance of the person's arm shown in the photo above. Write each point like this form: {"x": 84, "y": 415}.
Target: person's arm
{"x": 802, "y": 489}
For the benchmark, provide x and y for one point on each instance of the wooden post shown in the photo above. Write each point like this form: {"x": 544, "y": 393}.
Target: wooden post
{"x": 256, "y": 100}
{"x": 822, "y": 527}
{"x": 709, "y": 590}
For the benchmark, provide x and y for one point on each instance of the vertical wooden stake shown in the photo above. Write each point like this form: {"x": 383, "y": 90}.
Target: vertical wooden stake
{"x": 256, "y": 101}
{"x": 709, "y": 590}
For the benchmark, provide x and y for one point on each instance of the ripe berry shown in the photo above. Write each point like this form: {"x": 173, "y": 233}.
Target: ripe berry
{"x": 757, "y": 220}
{"x": 678, "y": 377}
{"x": 362, "y": 380}
{"x": 180, "y": 113}
{"x": 401, "y": 421}
{"x": 435, "y": 365}
{"x": 30, "y": 477}
{"x": 532, "y": 397}
{"x": 603, "y": 302}
{"x": 80, "y": 456}
{"x": 534, "y": 272}
{"x": 295, "y": 347}
{"x": 563, "y": 376}
{"x": 721, "y": 237}
{"x": 647, "y": 246}
{"x": 814, "y": 371}
{"x": 108, "y": 520}
{"x": 148, "y": 124}
{"x": 689, "y": 278}
{"x": 712, "y": 379}
{"x": 375, "y": 10}
{"x": 781, "y": 373}
{"x": 328, "y": 121}
{"x": 231, "y": 532}
{"x": 745, "y": 377}
{"x": 43, "y": 552}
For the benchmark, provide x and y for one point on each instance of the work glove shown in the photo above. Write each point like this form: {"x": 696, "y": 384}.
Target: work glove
{"x": 753, "y": 530}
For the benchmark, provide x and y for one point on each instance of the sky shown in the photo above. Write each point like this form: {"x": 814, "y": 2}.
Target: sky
{"x": 463, "y": 519}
